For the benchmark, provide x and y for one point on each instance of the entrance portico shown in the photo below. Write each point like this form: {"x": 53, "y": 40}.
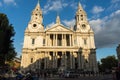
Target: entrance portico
{"x": 57, "y": 59}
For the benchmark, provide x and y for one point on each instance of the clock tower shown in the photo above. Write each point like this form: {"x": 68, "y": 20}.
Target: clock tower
{"x": 35, "y": 30}
{"x": 81, "y": 20}
{"x": 36, "y": 22}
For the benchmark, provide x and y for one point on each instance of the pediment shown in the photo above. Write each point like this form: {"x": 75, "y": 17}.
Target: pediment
{"x": 59, "y": 28}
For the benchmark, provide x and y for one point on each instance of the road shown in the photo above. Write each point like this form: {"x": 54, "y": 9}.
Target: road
{"x": 102, "y": 77}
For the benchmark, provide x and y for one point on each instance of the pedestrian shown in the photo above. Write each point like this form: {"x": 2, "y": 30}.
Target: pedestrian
{"x": 117, "y": 74}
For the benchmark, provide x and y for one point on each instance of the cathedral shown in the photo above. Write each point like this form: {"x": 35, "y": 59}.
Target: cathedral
{"x": 59, "y": 47}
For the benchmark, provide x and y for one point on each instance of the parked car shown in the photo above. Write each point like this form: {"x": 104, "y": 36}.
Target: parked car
{"x": 70, "y": 74}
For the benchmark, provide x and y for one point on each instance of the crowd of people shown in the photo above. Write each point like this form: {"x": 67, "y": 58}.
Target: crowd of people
{"x": 117, "y": 73}
{"x": 35, "y": 76}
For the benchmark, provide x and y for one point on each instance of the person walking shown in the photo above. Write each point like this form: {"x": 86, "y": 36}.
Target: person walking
{"x": 117, "y": 73}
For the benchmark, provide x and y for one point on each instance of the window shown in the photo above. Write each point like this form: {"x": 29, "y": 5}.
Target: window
{"x": 78, "y": 17}
{"x": 81, "y": 19}
{"x": 85, "y": 41}
{"x": 31, "y": 60}
{"x": 33, "y": 41}
{"x": 51, "y": 38}
{"x": 68, "y": 40}
{"x": 83, "y": 26}
{"x": 59, "y": 43}
{"x": 34, "y": 25}
{"x": 43, "y": 42}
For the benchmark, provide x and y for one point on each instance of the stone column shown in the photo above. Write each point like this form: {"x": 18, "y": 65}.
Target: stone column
{"x": 62, "y": 40}
{"x": 53, "y": 39}
{"x": 53, "y": 62}
{"x": 39, "y": 63}
{"x": 64, "y": 59}
{"x": 78, "y": 60}
{"x": 71, "y": 62}
{"x": 50, "y": 43}
{"x": 46, "y": 40}
{"x": 73, "y": 59}
{"x": 45, "y": 61}
{"x": 80, "y": 55}
{"x": 65, "y": 40}
{"x": 56, "y": 59}
{"x": 95, "y": 67}
{"x": 82, "y": 61}
{"x": 70, "y": 38}
{"x": 56, "y": 38}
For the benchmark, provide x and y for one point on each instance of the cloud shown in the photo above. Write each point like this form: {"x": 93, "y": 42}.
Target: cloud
{"x": 51, "y": 24}
{"x": 107, "y": 30}
{"x": 114, "y": 1}
{"x": 56, "y": 5}
{"x": 69, "y": 23}
{"x": 74, "y": 5}
{"x": 97, "y": 9}
{"x": 115, "y": 5}
{"x": 96, "y": 25}
{"x": 0, "y": 4}
{"x": 10, "y": 2}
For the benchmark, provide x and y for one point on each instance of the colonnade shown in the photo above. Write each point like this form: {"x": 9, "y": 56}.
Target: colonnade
{"x": 59, "y": 40}
{"x": 65, "y": 60}
{"x": 57, "y": 59}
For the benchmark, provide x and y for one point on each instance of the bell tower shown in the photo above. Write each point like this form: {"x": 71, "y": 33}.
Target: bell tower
{"x": 81, "y": 18}
{"x": 36, "y": 21}
{"x": 35, "y": 29}
{"x": 85, "y": 40}
{"x": 37, "y": 14}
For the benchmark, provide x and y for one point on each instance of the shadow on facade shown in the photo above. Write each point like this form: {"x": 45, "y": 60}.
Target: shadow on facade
{"x": 56, "y": 62}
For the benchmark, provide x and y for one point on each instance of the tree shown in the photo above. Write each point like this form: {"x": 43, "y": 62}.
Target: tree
{"x": 7, "y": 50}
{"x": 108, "y": 63}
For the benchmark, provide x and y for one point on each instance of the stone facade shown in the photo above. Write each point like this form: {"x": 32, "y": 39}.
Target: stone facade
{"x": 118, "y": 52}
{"x": 59, "y": 47}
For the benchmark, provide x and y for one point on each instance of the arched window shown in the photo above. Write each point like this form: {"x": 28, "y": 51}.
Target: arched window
{"x": 85, "y": 41}
{"x": 31, "y": 60}
{"x": 33, "y": 41}
{"x": 83, "y": 26}
{"x": 43, "y": 42}
{"x": 36, "y": 14}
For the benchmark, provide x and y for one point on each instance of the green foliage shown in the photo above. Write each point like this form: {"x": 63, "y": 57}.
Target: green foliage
{"x": 107, "y": 63}
{"x": 7, "y": 50}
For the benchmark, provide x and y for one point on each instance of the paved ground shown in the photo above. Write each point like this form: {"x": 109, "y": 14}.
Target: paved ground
{"x": 100, "y": 77}
{"x": 103, "y": 77}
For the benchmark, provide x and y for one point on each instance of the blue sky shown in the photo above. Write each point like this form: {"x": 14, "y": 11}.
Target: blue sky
{"x": 103, "y": 16}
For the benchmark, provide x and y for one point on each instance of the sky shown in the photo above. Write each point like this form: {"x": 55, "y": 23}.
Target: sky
{"x": 103, "y": 16}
